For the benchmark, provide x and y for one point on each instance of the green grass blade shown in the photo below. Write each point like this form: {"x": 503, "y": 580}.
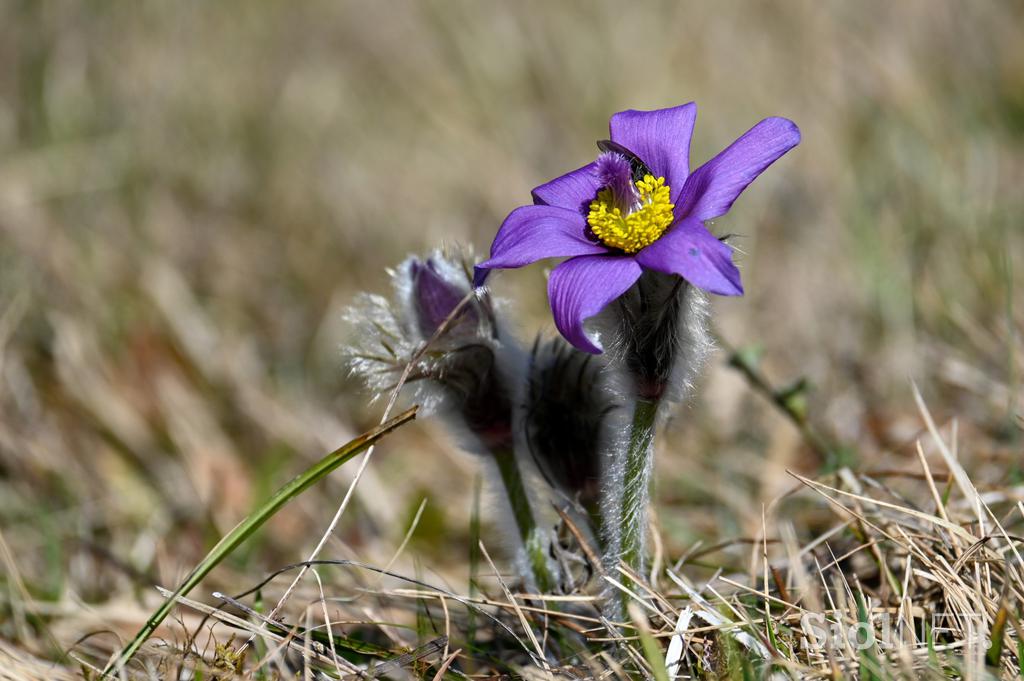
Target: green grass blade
{"x": 870, "y": 666}
{"x": 994, "y": 656}
{"x": 653, "y": 653}
{"x": 253, "y": 522}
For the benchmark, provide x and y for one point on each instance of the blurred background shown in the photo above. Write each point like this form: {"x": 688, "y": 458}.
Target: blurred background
{"x": 191, "y": 194}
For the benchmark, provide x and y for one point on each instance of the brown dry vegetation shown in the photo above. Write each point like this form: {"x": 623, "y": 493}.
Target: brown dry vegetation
{"x": 191, "y": 193}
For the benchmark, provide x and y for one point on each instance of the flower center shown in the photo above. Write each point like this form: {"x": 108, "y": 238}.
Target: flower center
{"x": 632, "y": 227}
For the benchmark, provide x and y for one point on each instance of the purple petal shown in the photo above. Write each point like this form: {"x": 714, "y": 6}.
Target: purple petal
{"x": 435, "y": 296}
{"x": 531, "y": 233}
{"x": 660, "y": 138}
{"x": 691, "y": 251}
{"x": 580, "y": 288}
{"x": 712, "y": 188}
{"x": 573, "y": 190}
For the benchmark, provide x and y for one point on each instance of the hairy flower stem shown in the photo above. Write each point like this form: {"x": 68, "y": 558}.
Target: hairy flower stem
{"x": 636, "y": 484}
{"x": 522, "y": 515}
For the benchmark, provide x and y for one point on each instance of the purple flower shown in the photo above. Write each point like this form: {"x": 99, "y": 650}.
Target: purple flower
{"x": 636, "y": 207}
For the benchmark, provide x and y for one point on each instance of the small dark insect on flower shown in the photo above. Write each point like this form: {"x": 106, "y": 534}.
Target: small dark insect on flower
{"x": 638, "y": 169}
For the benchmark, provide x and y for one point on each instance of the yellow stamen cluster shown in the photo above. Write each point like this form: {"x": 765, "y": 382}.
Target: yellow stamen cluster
{"x": 632, "y": 231}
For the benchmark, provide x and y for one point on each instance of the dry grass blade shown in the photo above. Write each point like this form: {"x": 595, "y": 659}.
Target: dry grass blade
{"x": 254, "y": 521}
{"x": 446, "y": 664}
{"x": 523, "y": 620}
{"x": 391, "y": 666}
{"x": 312, "y": 652}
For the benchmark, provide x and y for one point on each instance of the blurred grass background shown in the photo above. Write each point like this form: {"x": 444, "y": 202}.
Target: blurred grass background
{"x": 190, "y": 194}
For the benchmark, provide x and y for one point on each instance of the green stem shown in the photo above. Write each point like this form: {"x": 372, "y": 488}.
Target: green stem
{"x": 522, "y": 514}
{"x": 636, "y": 484}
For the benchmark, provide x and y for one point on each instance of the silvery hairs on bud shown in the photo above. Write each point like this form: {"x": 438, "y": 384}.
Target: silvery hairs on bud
{"x": 567, "y": 414}
{"x": 466, "y": 373}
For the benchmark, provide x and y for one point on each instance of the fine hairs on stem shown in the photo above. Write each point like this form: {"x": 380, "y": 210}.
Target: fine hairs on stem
{"x": 660, "y": 342}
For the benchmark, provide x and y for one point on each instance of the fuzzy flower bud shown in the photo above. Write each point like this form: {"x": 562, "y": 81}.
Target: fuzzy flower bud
{"x": 465, "y": 369}
{"x": 566, "y": 416}
{"x": 435, "y": 297}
